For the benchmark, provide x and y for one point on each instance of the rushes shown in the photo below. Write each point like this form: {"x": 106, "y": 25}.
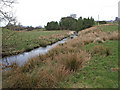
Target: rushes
{"x": 74, "y": 61}
{"x": 61, "y": 73}
{"x": 100, "y": 50}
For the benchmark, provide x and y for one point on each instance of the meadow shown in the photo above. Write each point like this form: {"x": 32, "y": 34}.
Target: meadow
{"x": 88, "y": 61}
{"x": 15, "y": 42}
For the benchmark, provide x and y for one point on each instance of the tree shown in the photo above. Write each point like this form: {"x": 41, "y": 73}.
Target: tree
{"x": 68, "y": 23}
{"x": 52, "y": 25}
{"x": 84, "y": 23}
{"x": 79, "y": 25}
{"x": 6, "y": 14}
{"x": 92, "y": 21}
{"x": 88, "y": 22}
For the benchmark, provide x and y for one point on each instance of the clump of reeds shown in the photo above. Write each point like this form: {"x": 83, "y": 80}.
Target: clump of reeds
{"x": 60, "y": 72}
{"x": 74, "y": 61}
{"x": 46, "y": 79}
{"x": 20, "y": 80}
{"x": 101, "y": 50}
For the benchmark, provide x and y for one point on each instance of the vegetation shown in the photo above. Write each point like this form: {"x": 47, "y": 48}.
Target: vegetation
{"x": 81, "y": 62}
{"x": 109, "y": 28}
{"x": 19, "y": 27}
{"x": 70, "y": 23}
{"x": 52, "y": 26}
{"x": 15, "y": 42}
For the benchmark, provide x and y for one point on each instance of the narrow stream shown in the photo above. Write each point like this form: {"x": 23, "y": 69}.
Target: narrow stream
{"x": 20, "y": 59}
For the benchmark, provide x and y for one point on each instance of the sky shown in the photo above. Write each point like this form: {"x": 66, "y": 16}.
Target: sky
{"x": 39, "y": 12}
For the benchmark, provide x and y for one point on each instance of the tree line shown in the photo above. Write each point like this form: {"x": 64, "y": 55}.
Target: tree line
{"x": 70, "y": 23}
{"x": 20, "y": 27}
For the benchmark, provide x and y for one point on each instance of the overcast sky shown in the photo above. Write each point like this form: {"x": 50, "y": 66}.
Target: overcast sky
{"x": 39, "y": 12}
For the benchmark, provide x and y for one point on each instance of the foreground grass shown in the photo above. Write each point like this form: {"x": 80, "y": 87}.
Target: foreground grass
{"x": 101, "y": 71}
{"x": 87, "y": 61}
{"x": 16, "y": 42}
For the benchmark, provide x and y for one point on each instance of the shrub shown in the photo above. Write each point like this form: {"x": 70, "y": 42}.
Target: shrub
{"x": 52, "y": 26}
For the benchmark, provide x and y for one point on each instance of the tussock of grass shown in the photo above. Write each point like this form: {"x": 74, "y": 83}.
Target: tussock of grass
{"x": 101, "y": 50}
{"x": 61, "y": 73}
{"x": 74, "y": 61}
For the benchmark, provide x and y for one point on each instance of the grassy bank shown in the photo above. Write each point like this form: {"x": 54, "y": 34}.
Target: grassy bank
{"x": 90, "y": 60}
{"x": 15, "y": 42}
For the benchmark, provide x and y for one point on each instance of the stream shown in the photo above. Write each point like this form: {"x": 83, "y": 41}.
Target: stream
{"x": 21, "y": 59}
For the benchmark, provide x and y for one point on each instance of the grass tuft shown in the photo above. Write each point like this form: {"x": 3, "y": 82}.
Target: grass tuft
{"x": 101, "y": 50}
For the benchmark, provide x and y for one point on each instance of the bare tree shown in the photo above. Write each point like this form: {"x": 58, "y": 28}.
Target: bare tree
{"x": 6, "y": 14}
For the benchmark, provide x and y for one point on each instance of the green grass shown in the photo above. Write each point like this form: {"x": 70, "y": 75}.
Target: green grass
{"x": 98, "y": 74}
{"x": 109, "y": 28}
{"x": 15, "y": 42}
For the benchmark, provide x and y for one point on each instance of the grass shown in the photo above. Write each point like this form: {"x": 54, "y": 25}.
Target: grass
{"x": 78, "y": 63}
{"x": 15, "y": 42}
{"x": 101, "y": 71}
{"x": 110, "y": 28}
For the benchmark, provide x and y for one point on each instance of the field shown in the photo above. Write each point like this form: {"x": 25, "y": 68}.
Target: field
{"x": 15, "y": 42}
{"x": 88, "y": 61}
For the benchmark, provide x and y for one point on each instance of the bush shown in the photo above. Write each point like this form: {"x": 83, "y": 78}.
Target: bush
{"x": 52, "y": 26}
{"x": 68, "y": 23}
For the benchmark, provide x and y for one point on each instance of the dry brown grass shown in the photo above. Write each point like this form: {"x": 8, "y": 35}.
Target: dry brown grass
{"x": 74, "y": 61}
{"x": 89, "y": 35}
{"x": 101, "y": 50}
{"x": 35, "y": 74}
{"x": 60, "y": 72}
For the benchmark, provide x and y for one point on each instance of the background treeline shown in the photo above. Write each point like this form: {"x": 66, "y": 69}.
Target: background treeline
{"x": 21, "y": 27}
{"x": 70, "y": 23}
